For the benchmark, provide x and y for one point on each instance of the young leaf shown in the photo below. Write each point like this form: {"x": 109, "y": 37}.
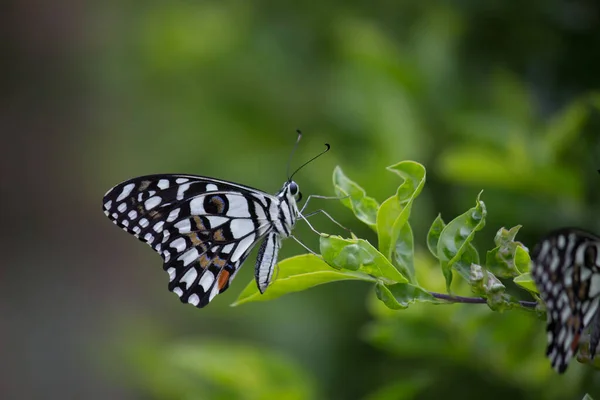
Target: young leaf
{"x": 403, "y": 254}
{"x": 400, "y": 295}
{"x": 456, "y": 237}
{"x": 433, "y": 236}
{"x": 526, "y": 282}
{"x": 477, "y": 279}
{"x": 496, "y": 293}
{"x": 364, "y": 207}
{"x": 509, "y": 258}
{"x": 296, "y": 274}
{"x": 393, "y": 215}
{"x": 463, "y": 263}
{"x": 359, "y": 255}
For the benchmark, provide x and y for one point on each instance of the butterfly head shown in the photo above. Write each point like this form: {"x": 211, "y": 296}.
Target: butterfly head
{"x": 290, "y": 191}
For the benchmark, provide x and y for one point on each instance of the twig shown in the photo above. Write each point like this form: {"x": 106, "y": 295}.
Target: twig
{"x": 476, "y": 300}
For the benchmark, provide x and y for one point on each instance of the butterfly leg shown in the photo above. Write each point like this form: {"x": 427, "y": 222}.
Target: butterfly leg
{"x": 303, "y": 245}
{"x": 316, "y": 196}
{"x": 328, "y": 216}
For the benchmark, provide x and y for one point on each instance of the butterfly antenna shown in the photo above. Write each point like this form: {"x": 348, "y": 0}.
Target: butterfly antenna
{"x": 327, "y": 147}
{"x": 287, "y": 170}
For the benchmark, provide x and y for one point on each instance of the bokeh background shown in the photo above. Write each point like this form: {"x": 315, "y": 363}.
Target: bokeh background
{"x": 493, "y": 95}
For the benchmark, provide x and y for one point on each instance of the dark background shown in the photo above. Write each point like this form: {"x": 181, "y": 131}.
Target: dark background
{"x": 494, "y": 95}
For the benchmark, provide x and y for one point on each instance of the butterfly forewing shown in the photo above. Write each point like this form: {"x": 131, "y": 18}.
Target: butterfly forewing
{"x": 566, "y": 270}
{"x": 203, "y": 228}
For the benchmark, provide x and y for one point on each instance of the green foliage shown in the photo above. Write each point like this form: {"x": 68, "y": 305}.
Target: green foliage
{"x": 364, "y": 207}
{"x": 218, "y": 369}
{"x": 382, "y": 82}
{"x": 299, "y": 273}
{"x": 391, "y": 267}
{"x": 454, "y": 249}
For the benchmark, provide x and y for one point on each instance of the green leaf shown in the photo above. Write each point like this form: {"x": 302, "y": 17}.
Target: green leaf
{"x": 456, "y": 238}
{"x": 402, "y": 390}
{"x": 433, "y": 236}
{"x": 404, "y": 253}
{"x": 565, "y": 127}
{"x": 463, "y": 264}
{"x": 359, "y": 255}
{"x": 472, "y": 165}
{"x": 495, "y": 291}
{"x": 477, "y": 279}
{"x": 296, "y": 274}
{"x": 260, "y": 373}
{"x": 364, "y": 207}
{"x": 400, "y": 295}
{"x": 393, "y": 215}
{"x": 509, "y": 258}
{"x": 526, "y": 282}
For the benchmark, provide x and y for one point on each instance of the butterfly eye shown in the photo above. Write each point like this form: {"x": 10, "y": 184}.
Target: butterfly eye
{"x": 293, "y": 188}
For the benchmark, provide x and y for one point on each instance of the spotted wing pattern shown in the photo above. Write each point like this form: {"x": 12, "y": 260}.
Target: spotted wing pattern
{"x": 203, "y": 228}
{"x": 566, "y": 270}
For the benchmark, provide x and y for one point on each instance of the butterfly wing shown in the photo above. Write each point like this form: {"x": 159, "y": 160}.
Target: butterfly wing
{"x": 567, "y": 274}
{"x": 203, "y": 228}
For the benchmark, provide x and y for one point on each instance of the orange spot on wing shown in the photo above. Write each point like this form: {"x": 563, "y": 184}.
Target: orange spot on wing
{"x": 575, "y": 343}
{"x": 223, "y": 278}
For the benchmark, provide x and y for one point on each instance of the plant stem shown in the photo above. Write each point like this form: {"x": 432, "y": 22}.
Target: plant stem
{"x": 475, "y": 300}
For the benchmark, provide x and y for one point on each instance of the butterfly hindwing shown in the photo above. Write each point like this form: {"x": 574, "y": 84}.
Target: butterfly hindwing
{"x": 566, "y": 270}
{"x": 203, "y": 228}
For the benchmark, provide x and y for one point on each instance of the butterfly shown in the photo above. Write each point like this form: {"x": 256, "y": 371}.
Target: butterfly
{"x": 204, "y": 228}
{"x": 566, "y": 271}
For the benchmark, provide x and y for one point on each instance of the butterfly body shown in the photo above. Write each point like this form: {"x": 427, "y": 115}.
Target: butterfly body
{"x": 204, "y": 228}
{"x": 566, "y": 270}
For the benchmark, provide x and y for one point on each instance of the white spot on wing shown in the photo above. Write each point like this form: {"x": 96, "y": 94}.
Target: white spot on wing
{"x": 238, "y": 206}
{"x": 152, "y": 202}
{"x": 178, "y": 291}
{"x": 178, "y": 244}
{"x": 158, "y": 227}
{"x": 181, "y": 191}
{"x": 108, "y": 204}
{"x": 211, "y": 187}
{"x": 595, "y": 285}
{"x": 183, "y": 226}
{"x": 227, "y": 248}
{"x": 144, "y": 222}
{"x": 197, "y": 206}
{"x": 213, "y": 292}
{"x": 163, "y": 184}
{"x": 207, "y": 280}
{"x": 260, "y": 213}
{"x": 189, "y": 256}
{"x": 216, "y": 221}
{"x": 148, "y": 237}
{"x": 132, "y": 214}
{"x": 171, "y": 271}
{"x": 189, "y": 277}
{"x": 242, "y": 247}
{"x": 125, "y": 222}
{"x": 182, "y": 180}
{"x": 125, "y": 192}
{"x": 241, "y": 227}
{"x": 173, "y": 215}
{"x": 194, "y": 299}
{"x": 122, "y": 207}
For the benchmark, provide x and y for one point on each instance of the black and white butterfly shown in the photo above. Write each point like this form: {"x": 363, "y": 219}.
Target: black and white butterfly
{"x": 204, "y": 228}
{"x": 566, "y": 271}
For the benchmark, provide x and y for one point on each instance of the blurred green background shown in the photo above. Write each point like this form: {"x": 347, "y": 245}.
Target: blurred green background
{"x": 493, "y": 95}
